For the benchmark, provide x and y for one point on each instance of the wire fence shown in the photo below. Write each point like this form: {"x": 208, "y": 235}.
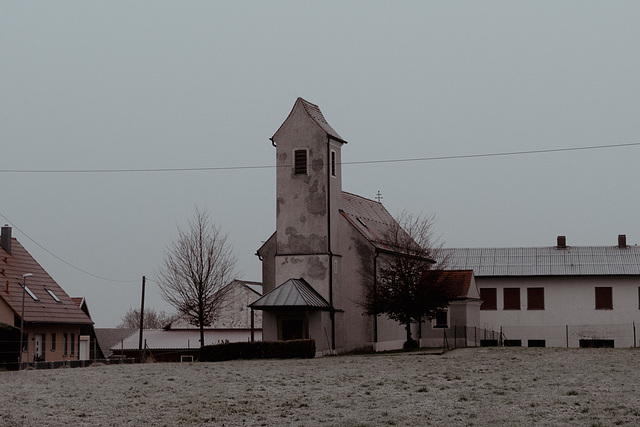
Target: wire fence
{"x": 569, "y": 336}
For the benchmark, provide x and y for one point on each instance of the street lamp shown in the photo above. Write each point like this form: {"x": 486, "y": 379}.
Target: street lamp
{"x": 24, "y": 290}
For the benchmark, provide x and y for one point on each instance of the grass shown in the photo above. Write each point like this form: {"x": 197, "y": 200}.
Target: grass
{"x": 479, "y": 386}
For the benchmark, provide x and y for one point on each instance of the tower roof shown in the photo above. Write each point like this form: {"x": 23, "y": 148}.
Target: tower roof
{"x": 314, "y": 113}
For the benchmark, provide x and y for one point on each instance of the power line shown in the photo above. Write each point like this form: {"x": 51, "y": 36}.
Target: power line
{"x": 62, "y": 260}
{"x": 506, "y": 153}
{"x": 362, "y": 162}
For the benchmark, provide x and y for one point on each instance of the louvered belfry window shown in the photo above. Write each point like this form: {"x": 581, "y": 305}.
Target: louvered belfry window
{"x": 300, "y": 162}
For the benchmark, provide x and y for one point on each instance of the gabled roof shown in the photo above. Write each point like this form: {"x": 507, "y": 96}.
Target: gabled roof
{"x": 313, "y": 111}
{"x": 458, "y": 281}
{"x": 110, "y": 337}
{"x": 547, "y": 261}
{"x": 294, "y": 293}
{"x": 45, "y": 309}
{"x": 254, "y": 286}
{"x": 370, "y": 218}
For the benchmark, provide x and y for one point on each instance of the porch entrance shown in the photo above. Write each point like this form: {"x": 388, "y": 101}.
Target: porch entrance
{"x": 293, "y": 327}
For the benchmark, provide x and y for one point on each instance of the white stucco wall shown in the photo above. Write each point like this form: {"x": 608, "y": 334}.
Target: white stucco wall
{"x": 569, "y": 313}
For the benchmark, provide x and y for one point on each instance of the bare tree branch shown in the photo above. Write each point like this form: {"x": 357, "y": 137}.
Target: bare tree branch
{"x": 409, "y": 285}
{"x": 152, "y": 319}
{"x": 196, "y": 268}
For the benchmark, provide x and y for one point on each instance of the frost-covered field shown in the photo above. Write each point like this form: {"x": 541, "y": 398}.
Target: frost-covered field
{"x": 480, "y": 386}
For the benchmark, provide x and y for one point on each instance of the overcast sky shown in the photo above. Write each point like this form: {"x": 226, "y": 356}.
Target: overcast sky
{"x": 124, "y": 85}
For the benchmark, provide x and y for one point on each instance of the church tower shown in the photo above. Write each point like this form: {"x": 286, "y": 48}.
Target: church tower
{"x": 308, "y": 199}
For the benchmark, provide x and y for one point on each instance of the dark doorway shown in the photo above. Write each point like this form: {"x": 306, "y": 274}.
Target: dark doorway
{"x": 292, "y": 329}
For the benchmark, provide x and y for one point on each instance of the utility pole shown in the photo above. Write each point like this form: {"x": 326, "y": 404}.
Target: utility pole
{"x": 141, "y": 315}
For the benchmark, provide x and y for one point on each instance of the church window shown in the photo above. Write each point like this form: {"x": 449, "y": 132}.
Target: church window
{"x": 333, "y": 163}
{"x": 300, "y": 162}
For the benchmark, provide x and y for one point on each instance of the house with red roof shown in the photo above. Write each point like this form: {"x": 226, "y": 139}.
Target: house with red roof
{"x": 327, "y": 249}
{"x": 53, "y": 323}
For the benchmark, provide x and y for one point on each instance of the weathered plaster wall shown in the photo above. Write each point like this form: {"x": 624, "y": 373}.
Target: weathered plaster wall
{"x": 235, "y": 313}
{"x": 301, "y": 209}
{"x": 267, "y": 253}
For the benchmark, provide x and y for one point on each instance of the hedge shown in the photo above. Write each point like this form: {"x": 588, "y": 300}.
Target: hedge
{"x": 9, "y": 347}
{"x": 259, "y": 350}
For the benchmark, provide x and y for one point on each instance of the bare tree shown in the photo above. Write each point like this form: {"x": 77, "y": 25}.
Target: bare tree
{"x": 196, "y": 268}
{"x": 152, "y": 319}
{"x": 409, "y": 285}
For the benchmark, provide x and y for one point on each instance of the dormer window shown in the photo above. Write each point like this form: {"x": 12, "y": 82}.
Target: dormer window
{"x": 54, "y": 296}
{"x": 300, "y": 167}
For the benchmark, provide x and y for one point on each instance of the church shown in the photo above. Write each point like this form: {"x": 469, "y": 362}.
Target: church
{"x": 327, "y": 249}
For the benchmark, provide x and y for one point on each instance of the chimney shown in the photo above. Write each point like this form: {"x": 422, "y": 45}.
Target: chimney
{"x": 562, "y": 242}
{"x": 5, "y": 238}
{"x": 622, "y": 241}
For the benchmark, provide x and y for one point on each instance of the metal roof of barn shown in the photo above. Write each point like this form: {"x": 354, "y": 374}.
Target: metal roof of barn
{"x": 294, "y": 293}
{"x": 547, "y": 261}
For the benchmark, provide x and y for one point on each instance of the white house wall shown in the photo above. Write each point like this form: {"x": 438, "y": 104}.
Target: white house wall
{"x": 569, "y": 313}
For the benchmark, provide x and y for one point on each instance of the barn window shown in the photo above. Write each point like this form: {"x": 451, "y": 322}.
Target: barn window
{"x": 64, "y": 344}
{"x": 73, "y": 344}
{"x": 536, "y": 343}
{"x": 596, "y": 343}
{"x": 604, "y": 298}
{"x": 300, "y": 162}
{"x": 489, "y": 299}
{"x": 511, "y": 298}
{"x": 53, "y": 341}
{"x": 535, "y": 298}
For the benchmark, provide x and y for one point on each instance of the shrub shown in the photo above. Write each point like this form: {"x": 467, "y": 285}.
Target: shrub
{"x": 10, "y": 344}
{"x": 258, "y": 350}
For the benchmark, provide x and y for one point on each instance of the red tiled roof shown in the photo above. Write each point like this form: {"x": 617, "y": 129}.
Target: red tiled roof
{"x": 458, "y": 281}
{"x": 46, "y": 309}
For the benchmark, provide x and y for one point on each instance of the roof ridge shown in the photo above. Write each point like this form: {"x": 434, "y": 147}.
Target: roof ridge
{"x": 361, "y": 197}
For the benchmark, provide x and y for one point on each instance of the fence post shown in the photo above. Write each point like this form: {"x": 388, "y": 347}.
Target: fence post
{"x": 634, "y": 334}
{"x": 475, "y": 336}
{"x": 455, "y": 336}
